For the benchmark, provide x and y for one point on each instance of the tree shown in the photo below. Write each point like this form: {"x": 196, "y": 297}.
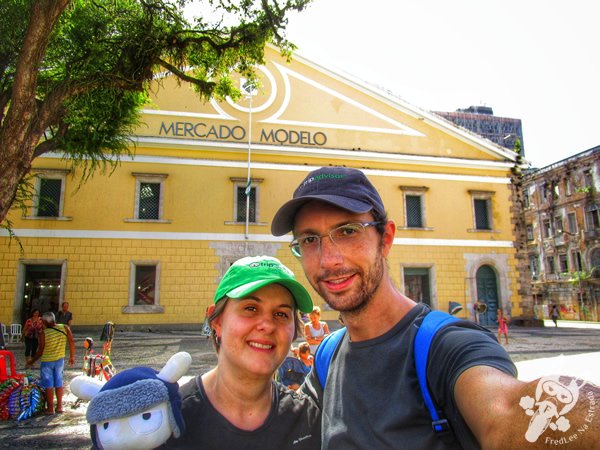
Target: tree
{"x": 75, "y": 73}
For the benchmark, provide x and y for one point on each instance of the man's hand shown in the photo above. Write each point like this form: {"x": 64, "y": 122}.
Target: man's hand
{"x": 71, "y": 361}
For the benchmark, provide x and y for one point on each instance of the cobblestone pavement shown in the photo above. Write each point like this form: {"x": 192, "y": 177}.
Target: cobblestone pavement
{"x": 70, "y": 430}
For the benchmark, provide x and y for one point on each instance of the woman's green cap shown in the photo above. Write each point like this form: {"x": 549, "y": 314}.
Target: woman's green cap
{"x": 249, "y": 274}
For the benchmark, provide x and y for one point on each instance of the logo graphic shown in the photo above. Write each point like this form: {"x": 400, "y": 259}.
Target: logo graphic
{"x": 553, "y": 400}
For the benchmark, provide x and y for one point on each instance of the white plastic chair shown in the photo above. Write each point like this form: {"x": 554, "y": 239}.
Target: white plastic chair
{"x": 15, "y": 332}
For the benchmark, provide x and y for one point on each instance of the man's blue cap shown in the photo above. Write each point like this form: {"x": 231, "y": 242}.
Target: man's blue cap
{"x": 345, "y": 188}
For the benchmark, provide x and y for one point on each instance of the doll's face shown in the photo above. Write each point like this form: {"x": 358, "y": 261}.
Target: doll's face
{"x": 146, "y": 430}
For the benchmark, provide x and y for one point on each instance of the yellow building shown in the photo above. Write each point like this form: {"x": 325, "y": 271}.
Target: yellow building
{"x": 147, "y": 243}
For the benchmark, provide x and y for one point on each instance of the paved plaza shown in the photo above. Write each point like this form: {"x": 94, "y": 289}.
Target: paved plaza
{"x": 537, "y": 351}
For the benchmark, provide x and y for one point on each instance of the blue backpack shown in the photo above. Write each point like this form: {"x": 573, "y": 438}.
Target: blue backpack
{"x": 432, "y": 322}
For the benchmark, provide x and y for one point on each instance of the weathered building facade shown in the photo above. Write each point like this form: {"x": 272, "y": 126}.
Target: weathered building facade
{"x": 562, "y": 233}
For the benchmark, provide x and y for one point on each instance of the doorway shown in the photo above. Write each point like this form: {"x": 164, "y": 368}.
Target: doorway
{"x": 41, "y": 289}
{"x": 487, "y": 292}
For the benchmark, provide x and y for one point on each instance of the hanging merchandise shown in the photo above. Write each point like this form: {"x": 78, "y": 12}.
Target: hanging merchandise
{"x": 21, "y": 399}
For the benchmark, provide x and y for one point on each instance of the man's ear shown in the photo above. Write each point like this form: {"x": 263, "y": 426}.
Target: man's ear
{"x": 387, "y": 240}
{"x": 210, "y": 310}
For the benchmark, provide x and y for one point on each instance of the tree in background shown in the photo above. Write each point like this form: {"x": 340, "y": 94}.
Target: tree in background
{"x": 75, "y": 73}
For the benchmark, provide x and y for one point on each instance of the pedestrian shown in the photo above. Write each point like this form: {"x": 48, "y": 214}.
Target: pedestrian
{"x": 65, "y": 316}
{"x": 51, "y": 350}
{"x": 238, "y": 404}
{"x": 315, "y": 330}
{"x": 502, "y": 326}
{"x": 342, "y": 237}
{"x": 554, "y": 315}
{"x": 31, "y": 334}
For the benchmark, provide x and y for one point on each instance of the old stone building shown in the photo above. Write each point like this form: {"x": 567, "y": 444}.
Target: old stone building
{"x": 561, "y": 210}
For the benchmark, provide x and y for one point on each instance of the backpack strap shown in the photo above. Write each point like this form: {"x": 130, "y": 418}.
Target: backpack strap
{"x": 432, "y": 322}
{"x": 325, "y": 353}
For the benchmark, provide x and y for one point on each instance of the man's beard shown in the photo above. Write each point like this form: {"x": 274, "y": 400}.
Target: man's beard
{"x": 353, "y": 303}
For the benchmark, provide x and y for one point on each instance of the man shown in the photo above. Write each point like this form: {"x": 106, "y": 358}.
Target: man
{"x": 52, "y": 351}
{"x": 65, "y": 316}
{"x": 372, "y": 399}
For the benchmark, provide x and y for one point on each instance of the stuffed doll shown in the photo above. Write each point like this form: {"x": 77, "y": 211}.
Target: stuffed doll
{"x": 138, "y": 408}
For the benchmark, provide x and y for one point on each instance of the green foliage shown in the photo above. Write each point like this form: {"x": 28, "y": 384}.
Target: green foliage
{"x": 76, "y": 84}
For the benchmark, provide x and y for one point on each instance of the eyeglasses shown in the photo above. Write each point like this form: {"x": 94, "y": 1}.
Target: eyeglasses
{"x": 343, "y": 236}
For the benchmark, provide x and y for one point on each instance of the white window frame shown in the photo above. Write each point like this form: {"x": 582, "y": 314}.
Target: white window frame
{"x": 140, "y": 178}
{"x": 415, "y": 191}
{"x": 572, "y": 222}
{"x": 242, "y": 183}
{"x": 131, "y": 307}
{"x": 49, "y": 174}
{"x": 488, "y": 196}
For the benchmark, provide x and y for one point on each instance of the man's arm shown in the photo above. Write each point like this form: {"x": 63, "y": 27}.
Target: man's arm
{"x": 71, "y": 346}
{"x": 503, "y": 412}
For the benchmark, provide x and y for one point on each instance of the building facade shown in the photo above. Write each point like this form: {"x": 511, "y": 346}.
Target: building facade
{"x": 504, "y": 131}
{"x": 147, "y": 243}
{"x": 562, "y": 234}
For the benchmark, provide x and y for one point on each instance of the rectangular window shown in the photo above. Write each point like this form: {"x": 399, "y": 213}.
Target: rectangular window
{"x": 546, "y": 229}
{"x": 568, "y": 187}
{"x": 588, "y": 179}
{"x": 533, "y": 266}
{"x": 576, "y": 260}
{"x": 482, "y": 216}
{"x": 526, "y": 199}
{"x": 558, "y": 225}
{"x": 149, "y": 195}
{"x": 529, "y": 232}
{"x": 149, "y": 201}
{"x": 550, "y": 264}
{"x": 414, "y": 211}
{"x": 593, "y": 219}
{"x": 242, "y": 202}
{"x": 416, "y": 284}
{"x": 562, "y": 263}
{"x": 482, "y": 209}
{"x": 572, "y": 219}
{"x": 145, "y": 285}
{"x": 49, "y": 196}
{"x": 544, "y": 192}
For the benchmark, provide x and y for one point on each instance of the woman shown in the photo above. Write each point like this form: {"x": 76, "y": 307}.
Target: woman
{"x": 31, "y": 333}
{"x": 237, "y": 404}
{"x": 315, "y": 330}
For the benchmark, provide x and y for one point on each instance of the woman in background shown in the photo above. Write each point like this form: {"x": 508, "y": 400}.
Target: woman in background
{"x": 315, "y": 330}
{"x": 31, "y": 334}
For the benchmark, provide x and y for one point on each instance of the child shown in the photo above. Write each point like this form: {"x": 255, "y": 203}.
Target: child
{"x": 502, "y": 326}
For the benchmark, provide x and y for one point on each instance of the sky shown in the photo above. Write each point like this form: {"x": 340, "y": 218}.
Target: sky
{"x": 535, "y": 60}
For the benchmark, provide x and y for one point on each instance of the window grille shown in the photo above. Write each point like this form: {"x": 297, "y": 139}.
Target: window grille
{"x": 149, "y": 201}
{"x": 49, "y": 197}
{"x": 482, "y": 219}
{"x": 414, "y": 217}
{"x": 241, "y": 204}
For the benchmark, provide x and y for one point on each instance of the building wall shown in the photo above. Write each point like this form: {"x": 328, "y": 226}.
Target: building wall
{"x": 96, "y": 240}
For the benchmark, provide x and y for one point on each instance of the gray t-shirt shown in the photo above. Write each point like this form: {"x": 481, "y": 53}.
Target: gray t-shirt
{"x": 373, "y": 399}
{"x": 294, "y": 423}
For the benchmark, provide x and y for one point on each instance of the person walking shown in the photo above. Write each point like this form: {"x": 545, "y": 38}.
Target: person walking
{"x": 52, "y": 351}
{"x": 31, "y": 334}
{"x": 238, "y": 404}
{"x": 343, "y": 237}
{"x": 554, "y": 315}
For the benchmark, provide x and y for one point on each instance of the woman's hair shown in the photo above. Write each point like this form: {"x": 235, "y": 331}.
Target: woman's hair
{"x": 33, "y": 312}
{"x": 316, "y": 310}
{"x": 220, "y": 307}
